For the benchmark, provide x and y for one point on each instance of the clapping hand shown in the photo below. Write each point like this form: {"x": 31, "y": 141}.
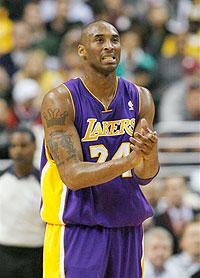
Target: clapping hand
{"x": 145, "y": 140}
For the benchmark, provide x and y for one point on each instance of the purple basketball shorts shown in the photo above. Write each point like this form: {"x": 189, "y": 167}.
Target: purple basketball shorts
{"x": 99, "y": 252}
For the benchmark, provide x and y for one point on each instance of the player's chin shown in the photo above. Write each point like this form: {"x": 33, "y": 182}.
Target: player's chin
{"x": 109, "y": 68}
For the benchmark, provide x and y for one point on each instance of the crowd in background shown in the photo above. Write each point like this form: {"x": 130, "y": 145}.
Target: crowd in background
{"x": 160, "y": 42}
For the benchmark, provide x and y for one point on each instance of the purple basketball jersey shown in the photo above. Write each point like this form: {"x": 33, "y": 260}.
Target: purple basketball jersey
{"x": 104, "y": 135}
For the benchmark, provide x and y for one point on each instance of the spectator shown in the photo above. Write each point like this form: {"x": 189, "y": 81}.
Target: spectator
{"x": 36, "y": 68}
{"x": 32, "y": 16}
{"x": 68, "y": 53}
{"x": 192, "y": 102}
{"x": 172, "y": 53}
{"x": 189, "y": 258}
{"x": 15, "y": 59}
{"x": 26, "y": 108}
{"x": 21, "y": 229}
{"x": 58, "y": 27}
{"x": 157, "y": 18}
{"x": 173, "y": 106}
{"x": 158, "y": 249}
{"x": 133, "y": 56}
{"x": 176, "y": 214}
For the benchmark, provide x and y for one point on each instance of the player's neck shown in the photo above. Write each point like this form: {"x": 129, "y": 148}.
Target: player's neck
{"x": 101, "y": 86}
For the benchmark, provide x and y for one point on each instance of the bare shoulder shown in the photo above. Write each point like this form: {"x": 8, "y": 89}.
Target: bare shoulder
{"x": 147, "y": 108}
{"x": 59, "y": 95}
{"x": 145, "y": 94}
{"x": 57, "y": 103}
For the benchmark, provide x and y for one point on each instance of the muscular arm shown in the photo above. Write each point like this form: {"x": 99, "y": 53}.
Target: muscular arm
{"x": 149, "y": 165}
{"x": 63, "y": 143}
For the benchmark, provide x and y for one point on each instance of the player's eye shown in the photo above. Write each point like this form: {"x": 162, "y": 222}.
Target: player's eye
{"x": 99, "y": 39}
{"x": 115, "y": 40}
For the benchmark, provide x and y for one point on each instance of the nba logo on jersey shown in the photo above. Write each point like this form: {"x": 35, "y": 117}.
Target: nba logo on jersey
{"x": 130, "y": 105}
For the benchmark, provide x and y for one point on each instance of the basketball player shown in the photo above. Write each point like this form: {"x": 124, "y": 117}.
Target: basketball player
{"x": 92, "y": 166}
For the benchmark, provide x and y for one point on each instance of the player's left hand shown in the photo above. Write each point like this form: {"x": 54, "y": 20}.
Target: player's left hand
{"x": 146, "y": 140}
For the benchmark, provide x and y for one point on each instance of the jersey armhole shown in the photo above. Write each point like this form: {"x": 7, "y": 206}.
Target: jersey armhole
{"x": 139, "y": 99}
{"x": 70, "y": 94}
{"x": 47, "y": 153}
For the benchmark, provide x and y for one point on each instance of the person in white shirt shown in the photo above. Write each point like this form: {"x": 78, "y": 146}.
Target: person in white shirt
{"x": 21, "y": 228}
{"x": 158, "y": 245}
{"x": 189, "y": 258}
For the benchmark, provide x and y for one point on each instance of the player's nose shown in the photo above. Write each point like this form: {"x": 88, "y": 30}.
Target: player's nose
{"x": 108, "y": 45}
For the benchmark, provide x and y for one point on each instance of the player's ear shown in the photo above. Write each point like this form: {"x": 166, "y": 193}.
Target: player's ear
{"x": 82, "y": 51}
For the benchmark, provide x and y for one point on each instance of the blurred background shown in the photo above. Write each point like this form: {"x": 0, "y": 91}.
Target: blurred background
{"x": 161, "y": 51}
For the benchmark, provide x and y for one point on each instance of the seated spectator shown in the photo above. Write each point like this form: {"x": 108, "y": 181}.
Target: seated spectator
{"x": 172, "y": 53}
{"x": 192, "y": 102}
{"x": 133, "y": 58}
{"x": 176, "y": 214}
{"x": 33, "y": 17}
{"x": 117, "y": 12}
{"x": 25, "y": 102}
{"x": 15, "y": 59}
{"x": 158, "y": 245}
{"x": 21, "y": 228}
{"x": 35, "y": 68}
{"x": 57, "y": 27}
{"x": 173, "y": 102}
{"x": 71, "y": 66}
{"x": 189, "y": 258}
{"x": 156, "y": 18}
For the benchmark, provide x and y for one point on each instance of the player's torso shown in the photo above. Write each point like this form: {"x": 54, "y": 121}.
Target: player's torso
{"x": 104, "y": 134}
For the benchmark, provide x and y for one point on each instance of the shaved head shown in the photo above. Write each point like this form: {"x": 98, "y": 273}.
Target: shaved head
{"x": 100, "y": 47}
{"x": 91, "y": 27}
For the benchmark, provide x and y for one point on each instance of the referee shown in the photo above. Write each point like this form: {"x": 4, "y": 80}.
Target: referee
{"x": 21, "y": 228}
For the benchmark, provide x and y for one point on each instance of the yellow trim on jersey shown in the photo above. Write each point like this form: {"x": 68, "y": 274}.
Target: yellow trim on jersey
{"x": 105, "y": 107}
{"x": 53, "y": 262}
{"x": 48, "y": 156}
{"x": 106, "y": 111}
{"x": 70, "y": 94}
{"x": 43, "y": 173}
{"x": 139, "y": 99}
{"x": 140, "y": 102}
{"x": 54, "y": 193}
{"x": 142, "y": 259}
{"x": 62, "y": 203}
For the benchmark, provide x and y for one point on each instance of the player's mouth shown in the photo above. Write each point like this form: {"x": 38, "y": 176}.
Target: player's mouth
{"x": 109, "y": 59}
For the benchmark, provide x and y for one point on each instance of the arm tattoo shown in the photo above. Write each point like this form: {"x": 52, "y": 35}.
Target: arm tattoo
{"x": 63, "y": 140}
{"x": 53, "y": 146}
{"x": 54, "y": 117}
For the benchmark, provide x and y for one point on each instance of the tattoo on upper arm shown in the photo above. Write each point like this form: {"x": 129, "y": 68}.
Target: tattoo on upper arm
{"x": 57, "y": 140}
{"x": 54, "y": 117}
